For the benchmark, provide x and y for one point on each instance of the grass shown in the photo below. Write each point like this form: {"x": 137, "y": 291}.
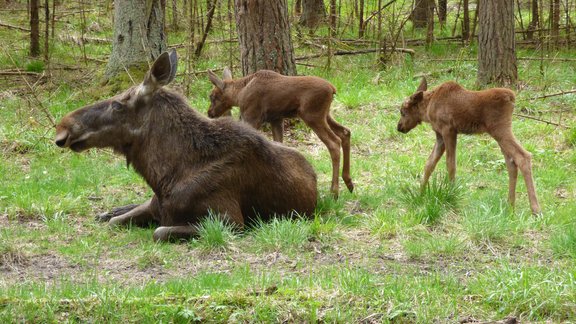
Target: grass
{"x": 388, "y": 252}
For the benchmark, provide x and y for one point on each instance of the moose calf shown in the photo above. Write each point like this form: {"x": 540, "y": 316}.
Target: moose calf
{"x": 453, "y": 110}
{"x": 267, "y": 96}
{"x": 193, "y": 164}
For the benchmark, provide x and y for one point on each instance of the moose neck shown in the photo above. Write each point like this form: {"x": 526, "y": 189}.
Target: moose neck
{"x": 167, "y": 141}
{"x": 425, "y": 106}
{"x": 234, "y": 87}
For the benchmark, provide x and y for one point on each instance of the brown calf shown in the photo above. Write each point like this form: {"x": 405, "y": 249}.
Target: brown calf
{"x": 453, "y": 110}
{"x": 267, "y": 96}
{"x": 192, "y": 163}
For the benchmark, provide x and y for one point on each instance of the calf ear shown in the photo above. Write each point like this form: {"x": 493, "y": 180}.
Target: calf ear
{"x": 423, "y": 85}
{"x": 417, "y": 97}
{"x": 227, "y": 74}
{"x": 216, "y": 80}
{"x": 162, "y": 72}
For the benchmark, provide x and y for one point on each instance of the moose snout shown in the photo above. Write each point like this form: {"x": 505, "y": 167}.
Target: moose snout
{"x": 401, "y": 129}
{"x": 61, "y": 138}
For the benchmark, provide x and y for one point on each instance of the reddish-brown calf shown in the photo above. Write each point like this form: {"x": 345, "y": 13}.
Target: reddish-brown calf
{"x": 453, "y": 110}
{"x": 267, "y": 96}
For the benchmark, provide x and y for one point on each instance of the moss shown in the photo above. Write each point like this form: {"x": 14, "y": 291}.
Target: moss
{"x": 111, "y": 86}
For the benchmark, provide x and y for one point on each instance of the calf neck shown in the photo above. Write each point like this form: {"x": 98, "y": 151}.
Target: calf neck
{"x": 193, "y": 164}
{"x": 453, "y": 110}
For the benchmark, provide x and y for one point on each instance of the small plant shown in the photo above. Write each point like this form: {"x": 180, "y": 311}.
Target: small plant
{"x": 214, "y": 233}
{"x": 430, "y": 204}
{"x": 571, "y": 136}
{"x": 150, "y": 258}
{"x": 35, "y": 66}
{"x": 490, "y": 222}
{"x": 11, "y": 256}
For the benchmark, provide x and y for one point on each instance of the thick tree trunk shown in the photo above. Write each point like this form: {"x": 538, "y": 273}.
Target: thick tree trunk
{"x": 34, "y": 28}
{"x": 534, "y": 22}
{"x": 313, "y": 12}
{"x": 138, "y": 35}
{"x": 420, "y": 13}
{"x": 496, "y": 43}
{"x": 442, "y": 10}
{"x": 264, "y": 36}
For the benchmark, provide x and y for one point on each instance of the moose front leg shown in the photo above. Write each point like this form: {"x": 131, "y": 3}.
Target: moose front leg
{"x": 140, "y": 215}
{"x": 450, "y": 139}
{"x": 117, "y": 211}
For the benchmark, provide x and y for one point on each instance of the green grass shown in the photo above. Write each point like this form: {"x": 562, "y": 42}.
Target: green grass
{"x": 385, "y": 253}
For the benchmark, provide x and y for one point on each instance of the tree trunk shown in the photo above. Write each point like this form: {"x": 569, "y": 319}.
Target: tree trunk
{"x": 555, "y": 30}
{"x": 430, "y": 23}
{"x": 466, "y": 22}
{"x": 333, "y": 15}
{"x": 138, "y": 35}
{"x": 442, "y": 10}
{"x": 264, "y": 36}
{"x": 361, "y": 19}
{"x": 297, "y": 7}
{"x": 534, "y": 22}
{"x": 496, "y": 43}
{"x": 175, "y": 14}
{"x": 420, "y": 13}
{"x": 313, "y": 12}
{"x": 34, "y": 28}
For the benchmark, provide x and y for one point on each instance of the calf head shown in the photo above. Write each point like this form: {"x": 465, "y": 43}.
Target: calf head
{"x": 413, "y": 108}
{"x": 116, "y": 121}
{"x": 221, "y": 100}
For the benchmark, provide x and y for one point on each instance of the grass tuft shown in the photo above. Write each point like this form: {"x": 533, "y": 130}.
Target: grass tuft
{"x": 563, "y": 241}
{"x": 429, "y": 205}
{"x": 214, "y": 233}
{"x": 282, "y": 234}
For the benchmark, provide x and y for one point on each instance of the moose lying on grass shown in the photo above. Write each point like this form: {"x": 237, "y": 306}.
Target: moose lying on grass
{"x": 193, "y": 164}
{"x": 269, "y": 97}
{"x": 453, "y": 110}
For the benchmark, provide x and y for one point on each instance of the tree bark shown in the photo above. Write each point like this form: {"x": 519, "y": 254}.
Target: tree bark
{"x": 313, "y": 12}
{"x": 175, "y": 14}
{"x": 555, "y": 30}
{"x": 534, "y": 22}
{"x": 430, "y": 23}
{"x": 361, "y": 19}
{"x": 34, "y": 28}
{"x": 442, "y": 10}
{"x": 496, "y": 43}
{"x": 264, "y": 36}
{"x": 466, "y": 21}
{"x": 138, "y": 35}
{"x": 420, "y": 13}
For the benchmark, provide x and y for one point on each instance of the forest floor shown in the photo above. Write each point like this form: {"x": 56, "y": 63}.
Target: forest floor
{"x": 385, "y": 253}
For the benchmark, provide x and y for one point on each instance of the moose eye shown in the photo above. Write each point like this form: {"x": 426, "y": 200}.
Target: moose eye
{"x": 402, "y": 113}
{"x": 116, "y": 105}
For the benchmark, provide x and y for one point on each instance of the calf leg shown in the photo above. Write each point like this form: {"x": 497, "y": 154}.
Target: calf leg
{"x": 277, "y": 130}
{"x": 433, "y": 159}
{"x": 523, "y": 160}
{"x": 139, "y": 215}
{"x": 450, "y": 144}
{"x": 332, "y": 142}
{"x": 344, "y": 134}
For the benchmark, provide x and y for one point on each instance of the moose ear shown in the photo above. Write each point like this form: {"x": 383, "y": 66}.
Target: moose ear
{"x": 227, "y": 74}
{"x": 215, "y": 80}
{"x": 423, "y": 85}
{"x": 162, "y": 72}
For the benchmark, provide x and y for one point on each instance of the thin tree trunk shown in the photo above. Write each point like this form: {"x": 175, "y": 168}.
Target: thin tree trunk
{"x": 361, "y": 19}
{"x": 555, "y": 30}
{"x": 420, "y": 13}
{"x": 313, "y": 12}
{"x": 34, "y": 29}
{"x": 46, "y": 32}
{"x": 442, "y": 10}
{"x": 496, "y": 43}
{"x": 430, "y": 23}
{"x": 466, "y": 22}
{"x": 210, "y": 15}
{"x": 534, "y": 22}
{"x": 175, "y": 15}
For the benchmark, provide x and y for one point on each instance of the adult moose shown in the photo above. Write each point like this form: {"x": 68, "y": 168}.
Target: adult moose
{"x": 193, "y": 164}
{"x": 267, "y": 96}
{"x": 453, "y": 110}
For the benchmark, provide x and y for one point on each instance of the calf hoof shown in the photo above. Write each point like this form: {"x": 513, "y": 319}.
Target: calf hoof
{"x": 349, "y": 185}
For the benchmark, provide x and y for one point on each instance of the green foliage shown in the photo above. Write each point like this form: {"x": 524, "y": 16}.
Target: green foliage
{"x": 214, "y": 233}
{"x": 35, "y": 66}
{"x": 283, "y": 234}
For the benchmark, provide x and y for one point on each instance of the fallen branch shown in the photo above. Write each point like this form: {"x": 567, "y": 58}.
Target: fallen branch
{"x": 420, "y": 75}
{"x": 79, "y": 40}
{"x": 14, "y": 27}
{"x": 11, "y": 72}
{"x": 540, "y": 120}
{"x": 561, "y": 93}
{"x": 363, "y": 51}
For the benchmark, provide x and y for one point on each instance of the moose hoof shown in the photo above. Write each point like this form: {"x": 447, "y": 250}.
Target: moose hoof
{"x": 104, "y": 217}
{"x": 161, "y": 234}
